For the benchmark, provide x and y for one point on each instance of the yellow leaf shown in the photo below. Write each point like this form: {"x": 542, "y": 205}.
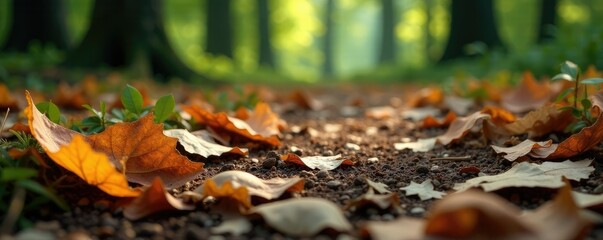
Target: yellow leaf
{"x": 95, "y": 168}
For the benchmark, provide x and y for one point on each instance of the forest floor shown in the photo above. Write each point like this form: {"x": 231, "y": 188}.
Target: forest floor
{"x": 327, "y": 131}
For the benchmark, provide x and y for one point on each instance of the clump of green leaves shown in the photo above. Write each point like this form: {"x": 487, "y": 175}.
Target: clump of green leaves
{"x": 581, "y": 105}
{"x": 223, "y": 101}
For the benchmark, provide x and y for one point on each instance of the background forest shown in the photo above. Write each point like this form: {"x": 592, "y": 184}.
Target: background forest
{"x": 303, "y": 40}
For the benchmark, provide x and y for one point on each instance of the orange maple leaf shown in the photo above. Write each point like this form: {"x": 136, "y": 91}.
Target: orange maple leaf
{"x": 93, "y": 167}
{"x": 142, "y": 152}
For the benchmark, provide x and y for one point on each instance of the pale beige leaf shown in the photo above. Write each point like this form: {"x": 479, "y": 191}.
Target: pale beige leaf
{"x": 403, "y": 228}
{"x": 196, "y": 145}
{"x": 304, "y": 217}
{"x": 424, "y": 190}
{"x": 418, "y": 114}
{"x": 378, "y": 186}
{"x": 524, "y": 174}
{"x": 267, "y": 189}
{"x": 460, "y": 126}
{"x": 236, "y": 227}
{"x": 421, "y": 145}
{"x": 527, "y": 147}
{"x": 320, "y": 162}
{"x": 382, "y": 201}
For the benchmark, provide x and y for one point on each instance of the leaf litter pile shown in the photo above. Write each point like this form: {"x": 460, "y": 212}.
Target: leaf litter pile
{"x": 370, "y": 162}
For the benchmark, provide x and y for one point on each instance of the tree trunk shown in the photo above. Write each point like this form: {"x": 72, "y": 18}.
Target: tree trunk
{"x": 428, "y": 37}
{"x": 37, "y": 20}
{"x": 219, "y": 28}
{"x": 329, "y": 37}
{"x": 265, "y": 51}
{"x": 548, "y": 17}
{"x": 471, "y": 21}
{"x": 388, "y": 25}
{"x": 126, "y": 34}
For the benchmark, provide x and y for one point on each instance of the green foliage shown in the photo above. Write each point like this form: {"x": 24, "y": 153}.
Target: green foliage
{"x": 50, "y": 110}
{"x": 164, "y": 108}
{"x": 581, "y": 105}
{"x": 132, "y": 100}
{"x": 223, "y": 101}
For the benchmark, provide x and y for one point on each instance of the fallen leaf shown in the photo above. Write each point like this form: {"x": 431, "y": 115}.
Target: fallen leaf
{"x": 143, "y": 152}
{"x": 498, "y": 115}
{"x": 378, "y": 186}
{"x": 230, "y": 198}
{"x": 424, "y": 190}
{"x": 51, "y": 136}
{"x": 303, "y": 217}
{"x": 266, "y": 189}
{"x": 527, "y": 147}
{"x": 153, "y": 200}
{"x": 418, "y": 114}
{"x": 429, "y": 96}
{"x": 382, "y": 201}
{"x": 263, "y": 121}
{"x": 305, "y": 101}
{"x": 432, "y": 122}
{"x": 590, "y": 201}
{"x": 421, "y": 145}
{"x": 234, "y": 129}
{"x": 196, "y": 145}
{"x": 525, "y": 174}
{"x": 540, "y": 122}
{"x": 6, "y": 99}
{"x": 320, "y": 162}
{"x": 66, "y": 96}
{"x": 401, "y": 228}
{"x": 528, "y": 95}
{"x": 93, "y": 167}
{"x": 587, "y": 138}
{"x": 460, "y": 106}
{"x": 380, "y": 113}
{"x": 460, "y": 126}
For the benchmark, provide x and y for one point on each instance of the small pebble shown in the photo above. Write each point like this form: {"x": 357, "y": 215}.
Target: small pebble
{"x": 272, "y": 154}
{"x": 306, "y": 174}
{"x": 309, "y": 183}
{"x": 255, "y": 160}
{"x": 417, "y": 210}
{"x": 359, "y": 181}
{"x": 373, "y": 160}
{"x": 269, "y": 163}
{"x": 334, "y": 184}
{"x": 322, "y": 174}
{"x": 352, "y": 146}
{"x": 328, "y": 153}
{"x": 435, "y": 182}
{"x": 434, "y": 168}
{"x": 296, "y": 150}
{"x": 422, "y": 169}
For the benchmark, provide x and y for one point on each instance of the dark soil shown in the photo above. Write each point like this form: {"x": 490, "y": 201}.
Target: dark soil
{"x": 376, "y": 139}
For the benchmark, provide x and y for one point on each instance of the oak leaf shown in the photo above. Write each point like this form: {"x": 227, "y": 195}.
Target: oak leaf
{"x": 525, "y": 174}
{"x": 303, "y": 217}
{"x": 527, "y": 147}
{"x": 424, "y": 190}
{"x": 314, "y": 162}
{"x": 234, "y": 129}
{"x": 196, "y": 145}
{"x": 460, "y": 126}
{"x": 153, "y": 200}
{"x": 143, "y": 152}
{"x": 93, "y": 167}
{"x": 421, "y": 145}
{"x": 528, "y": 95}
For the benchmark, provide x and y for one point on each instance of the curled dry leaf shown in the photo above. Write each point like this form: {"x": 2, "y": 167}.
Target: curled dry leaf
{"x": 540, "y": 122}
{"x": 527, "y": 147}
{"x": 93, "y": 167}
{"x": 528, "y": 95}
{"x": 314, "y": 162}
{"x": 432, "y": 122}
{"x": 524, "y": 174}
{"x": 264, "y": 121}
{"x": 421, "y": 145}
{"x": 230, "y": 198}
{"x": 197, "y": 145}
{"x": 153, "y": 200}
{"x": 143, "y": 152}
{"x": 304, "y": 217}
{"x": 266, "y": 189}
{"x": 460, "y": 126}
{"x": 382, "y": 201}
{"x": 237, "y": 130}
{"x": 424, "y": 190}
{"x": 378, "y": 186}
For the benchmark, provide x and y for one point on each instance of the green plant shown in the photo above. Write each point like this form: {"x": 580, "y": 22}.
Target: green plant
{"x": 581, "y": 105}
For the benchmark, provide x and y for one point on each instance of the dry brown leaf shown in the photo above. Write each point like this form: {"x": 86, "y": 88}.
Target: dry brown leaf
{"x": 421, "y": 145}
{"x": 51, "y": 136}
{"x": 525, "y": 174}
{"x": 93, "y": 167}
{"x": 69, "y": 97}
{"x": 197, "y": 145}
{"x": 263, "y": 121}
{"x": 432, "y": 122}
{"x": 230, "y": 198}
{"x": 234, "y": 129}
{"x": 528, "y": 95}
{"x": 378, "y": 186}
{"x": 460, "y": 126}
{"x": 305, "y": 101}
{"x": 425, "y": 97}
{"x": 154, "y": 200}
{"x": 527, "y": 147}
{"x": 320, "y": 162}
{"x": 540, "y": 122}
{"x": 382, "y": 201}
{"x": 498, "y": 115}
{"x": 143, "y": 152}
{"x": 587, "y": 138}
{"x": 303, "y": 217}
{"x": 266, "y": 189}
{"x": 6, "y": 99}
